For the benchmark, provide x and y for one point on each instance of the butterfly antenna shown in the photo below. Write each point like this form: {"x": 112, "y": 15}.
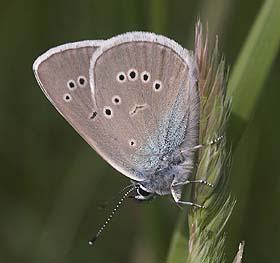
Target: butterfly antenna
{"x": 92, "y": 241}
{"x": 113, "y": 198}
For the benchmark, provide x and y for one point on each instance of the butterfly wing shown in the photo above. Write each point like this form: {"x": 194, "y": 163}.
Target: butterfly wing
{"x": 63, "y": 75}
{"x": 130, "y": 97}
{"x": 144, "y": 87}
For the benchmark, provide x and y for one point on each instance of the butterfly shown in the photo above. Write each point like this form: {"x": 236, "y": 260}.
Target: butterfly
{"x": 134, "y": 99}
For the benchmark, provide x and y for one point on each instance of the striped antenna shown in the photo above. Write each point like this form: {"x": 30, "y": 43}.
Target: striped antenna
{"x": 92, "y": 241}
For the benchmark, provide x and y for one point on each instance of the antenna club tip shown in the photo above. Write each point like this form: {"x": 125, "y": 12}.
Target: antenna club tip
{"x": 92, "y": 241}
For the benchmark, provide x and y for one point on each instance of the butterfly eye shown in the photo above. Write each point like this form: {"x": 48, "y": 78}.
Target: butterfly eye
{"x": 132, "y": 74}
{"x": 67, "y": 97}
{"x": 108, "y": 112}
{"x": 82, "y": 81}
{"x": 143, "y": 192}
{"x": 145, "y": 76}
{"x": 157, "y": 86}
{"x": 121, "y": 77}
{"x": 71, "y": 84}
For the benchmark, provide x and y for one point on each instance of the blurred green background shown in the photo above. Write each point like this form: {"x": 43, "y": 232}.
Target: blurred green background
{"x": 52, "y": 182}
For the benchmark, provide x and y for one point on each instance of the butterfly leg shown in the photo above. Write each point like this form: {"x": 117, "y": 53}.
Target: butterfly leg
{"x": 179, "y": 202}
{"x": 192, "y": 182}
{"x": 208, "y": 143}
{"x": 176, "y": 194}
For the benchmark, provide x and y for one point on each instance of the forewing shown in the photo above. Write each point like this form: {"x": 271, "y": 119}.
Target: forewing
{"x": 154, "y": 82}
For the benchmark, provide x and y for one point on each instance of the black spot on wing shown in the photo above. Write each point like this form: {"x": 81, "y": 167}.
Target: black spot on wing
{"x": 94, "y": 114}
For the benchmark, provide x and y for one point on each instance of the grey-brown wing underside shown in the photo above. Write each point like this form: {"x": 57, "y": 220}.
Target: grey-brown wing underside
{"x": 144, "y": 87}
{"x": 63, "y": 74}
{"x": 131, "y": 97}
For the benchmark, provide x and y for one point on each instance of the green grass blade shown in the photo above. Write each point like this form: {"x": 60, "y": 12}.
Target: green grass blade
{"x": 213, "y": 163}
{"x": 253, "y": 65}
{"x": 239, "y": 255}
{"x": 158, "y": 12}
{"x": 246, "y": 82}
{"x": 178, "y": 251}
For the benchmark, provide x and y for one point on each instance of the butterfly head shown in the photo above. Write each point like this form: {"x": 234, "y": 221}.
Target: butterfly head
{"x": 142, "y": 193}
